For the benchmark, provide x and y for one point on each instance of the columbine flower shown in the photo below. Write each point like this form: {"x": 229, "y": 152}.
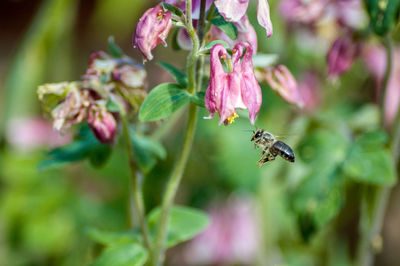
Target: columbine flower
{"x": 152, "y": 29}
{"x": 234, "y": 10}
{"x": 102, "y": 123}
{"x": 236, "y": 89}
{"x": 282, "y": 81}
{"x": 342, "y": 55}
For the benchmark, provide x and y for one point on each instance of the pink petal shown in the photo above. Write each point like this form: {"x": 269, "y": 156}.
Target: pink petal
{"x": 263, "y": 16}
{"x": 232, "y": 10}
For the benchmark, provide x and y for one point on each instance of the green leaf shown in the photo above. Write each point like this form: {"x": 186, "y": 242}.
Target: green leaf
{"x": 211, "y": 44}
{"x": 174, "y": 10}
{"x": 228, "y": 28}
{"x": 84, "y": 146}
{"x": 184, "y": 224}
{"x": 370, "y": 162}
{"x": 162, "y": 101}
{"x": 146, "y": 151}
{"x": 178, "y": 75}
{"x": 112, "y": 106}
{"x": 113, "y": 48}
{"x": 383, "y": 15}
{"x": 199, "y": 98}
{"x": 109, "y": 238}
{"x": 122, "y": 254}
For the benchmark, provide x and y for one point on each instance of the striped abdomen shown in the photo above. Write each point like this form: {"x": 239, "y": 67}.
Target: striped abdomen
{"x": 283, "y": 150}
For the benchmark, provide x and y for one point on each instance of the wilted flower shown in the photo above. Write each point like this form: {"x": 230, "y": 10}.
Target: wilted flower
{"x": 231, "y": 238}
{"x": 152, "y": 29}
{"x": 236, "y": 89}
{"x": 342, "y": 55}
{"x": 375, "y": 58}
{"x": 234, "y": 10}
{"x": 102, "y": 123}
{"x": 282, "y": 81}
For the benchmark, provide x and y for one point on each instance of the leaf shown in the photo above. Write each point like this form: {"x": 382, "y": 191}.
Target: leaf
{"x": 146, "y": 151}
{"x": 112, "y": 106}
{"x": 211, "y": 44}
{"x": 184, "y": 224}
{"x": 162, "y": 101}
{"x": 227, "y": 27}
{"x": 383, "y": 15}
{"x": 178, "y": 75}
{"x": 122, "y": 254}
{"x": 113, "y": 48}
{"x": 84, "y": 146}
{"x": 174, "y": 10}
{"x": 370, "y": 162}
{"x": 109, "y": 238}
{"x": 199, "y": 98}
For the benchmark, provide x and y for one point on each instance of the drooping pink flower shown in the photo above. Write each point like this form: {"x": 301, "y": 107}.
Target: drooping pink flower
{"x": 342, "y": 55}
{"x": 236, "y": 89}
{"x": 152, "y": 29}
{"x": 102, "y": 123}
{"x": 375, "y": 58}
{"x": 234, "y": 10}
{"x": 282, "y": 81}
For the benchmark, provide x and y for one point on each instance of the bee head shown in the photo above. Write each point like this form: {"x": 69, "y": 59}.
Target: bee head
{"x": 257, "y": 134}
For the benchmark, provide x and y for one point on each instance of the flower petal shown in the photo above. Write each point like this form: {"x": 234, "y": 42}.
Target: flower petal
{"x": 263, "y": 16}
{"x": 232, "y": 10}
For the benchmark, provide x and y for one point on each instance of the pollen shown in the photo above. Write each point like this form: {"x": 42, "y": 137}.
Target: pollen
{"x": 231, "y": 119}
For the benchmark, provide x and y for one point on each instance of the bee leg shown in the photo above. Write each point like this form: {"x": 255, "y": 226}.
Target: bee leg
{"x": 263, "y": 160}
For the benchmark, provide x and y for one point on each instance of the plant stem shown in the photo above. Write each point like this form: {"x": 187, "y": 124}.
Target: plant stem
{"x": 201, "y": 33}
{"x": 179, "y": 167}
{"x": 373, "y": 213}
{"x": 136, "y": 187}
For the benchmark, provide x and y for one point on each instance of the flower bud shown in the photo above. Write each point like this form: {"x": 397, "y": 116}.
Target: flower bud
{"x": 152, "y": 29}
{"x": 341, "y": 56}
{"x": 282, "y": 81}
{"x": 102, "y": 123}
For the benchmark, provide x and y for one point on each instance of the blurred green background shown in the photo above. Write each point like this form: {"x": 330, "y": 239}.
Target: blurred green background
{"x": 308, "y": 211}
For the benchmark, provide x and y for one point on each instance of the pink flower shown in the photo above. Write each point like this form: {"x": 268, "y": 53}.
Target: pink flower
{"x": 234, "y": 10}
{"x": 309, "y": 88}
{"x": 375, "y": 58}
{"x": 231, "y": 238}
{"x": 236, "y": 89}
{"x": 342, "y": 55}
{"x": 305, "y": 12}
{"x": 282, "y": 81}
{"x": 152, "y": 29}
{"x": 102, "y": 123}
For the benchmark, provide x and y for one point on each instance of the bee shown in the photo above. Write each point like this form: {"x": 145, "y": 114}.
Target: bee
{"x": 271, "y": 147}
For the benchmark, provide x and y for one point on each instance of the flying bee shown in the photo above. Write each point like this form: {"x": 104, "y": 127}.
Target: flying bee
{"x": 271, "y": 147}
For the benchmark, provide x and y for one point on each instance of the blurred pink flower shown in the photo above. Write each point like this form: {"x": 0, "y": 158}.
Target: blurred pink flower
{"x": 282, "y": 81}
{"x": 303, "y": 12}
{"x": 341, "y": 55}
{"x": 152, "y": 29}
{"x": 309, "y": 88}
{"x": 29, "y": 133}
{"x": 375, "y": 58}
{"x": 237, "y": 89}
{"x": 234, "y": 10}
{"x": 231, "y": 238}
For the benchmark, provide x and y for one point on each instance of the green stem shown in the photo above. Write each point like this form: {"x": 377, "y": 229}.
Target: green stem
{"x": 179, "y": 167}
{"x": 136, "y": 187}
{"x": 375, "y": 200}
{"x": 201, "y": 33}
